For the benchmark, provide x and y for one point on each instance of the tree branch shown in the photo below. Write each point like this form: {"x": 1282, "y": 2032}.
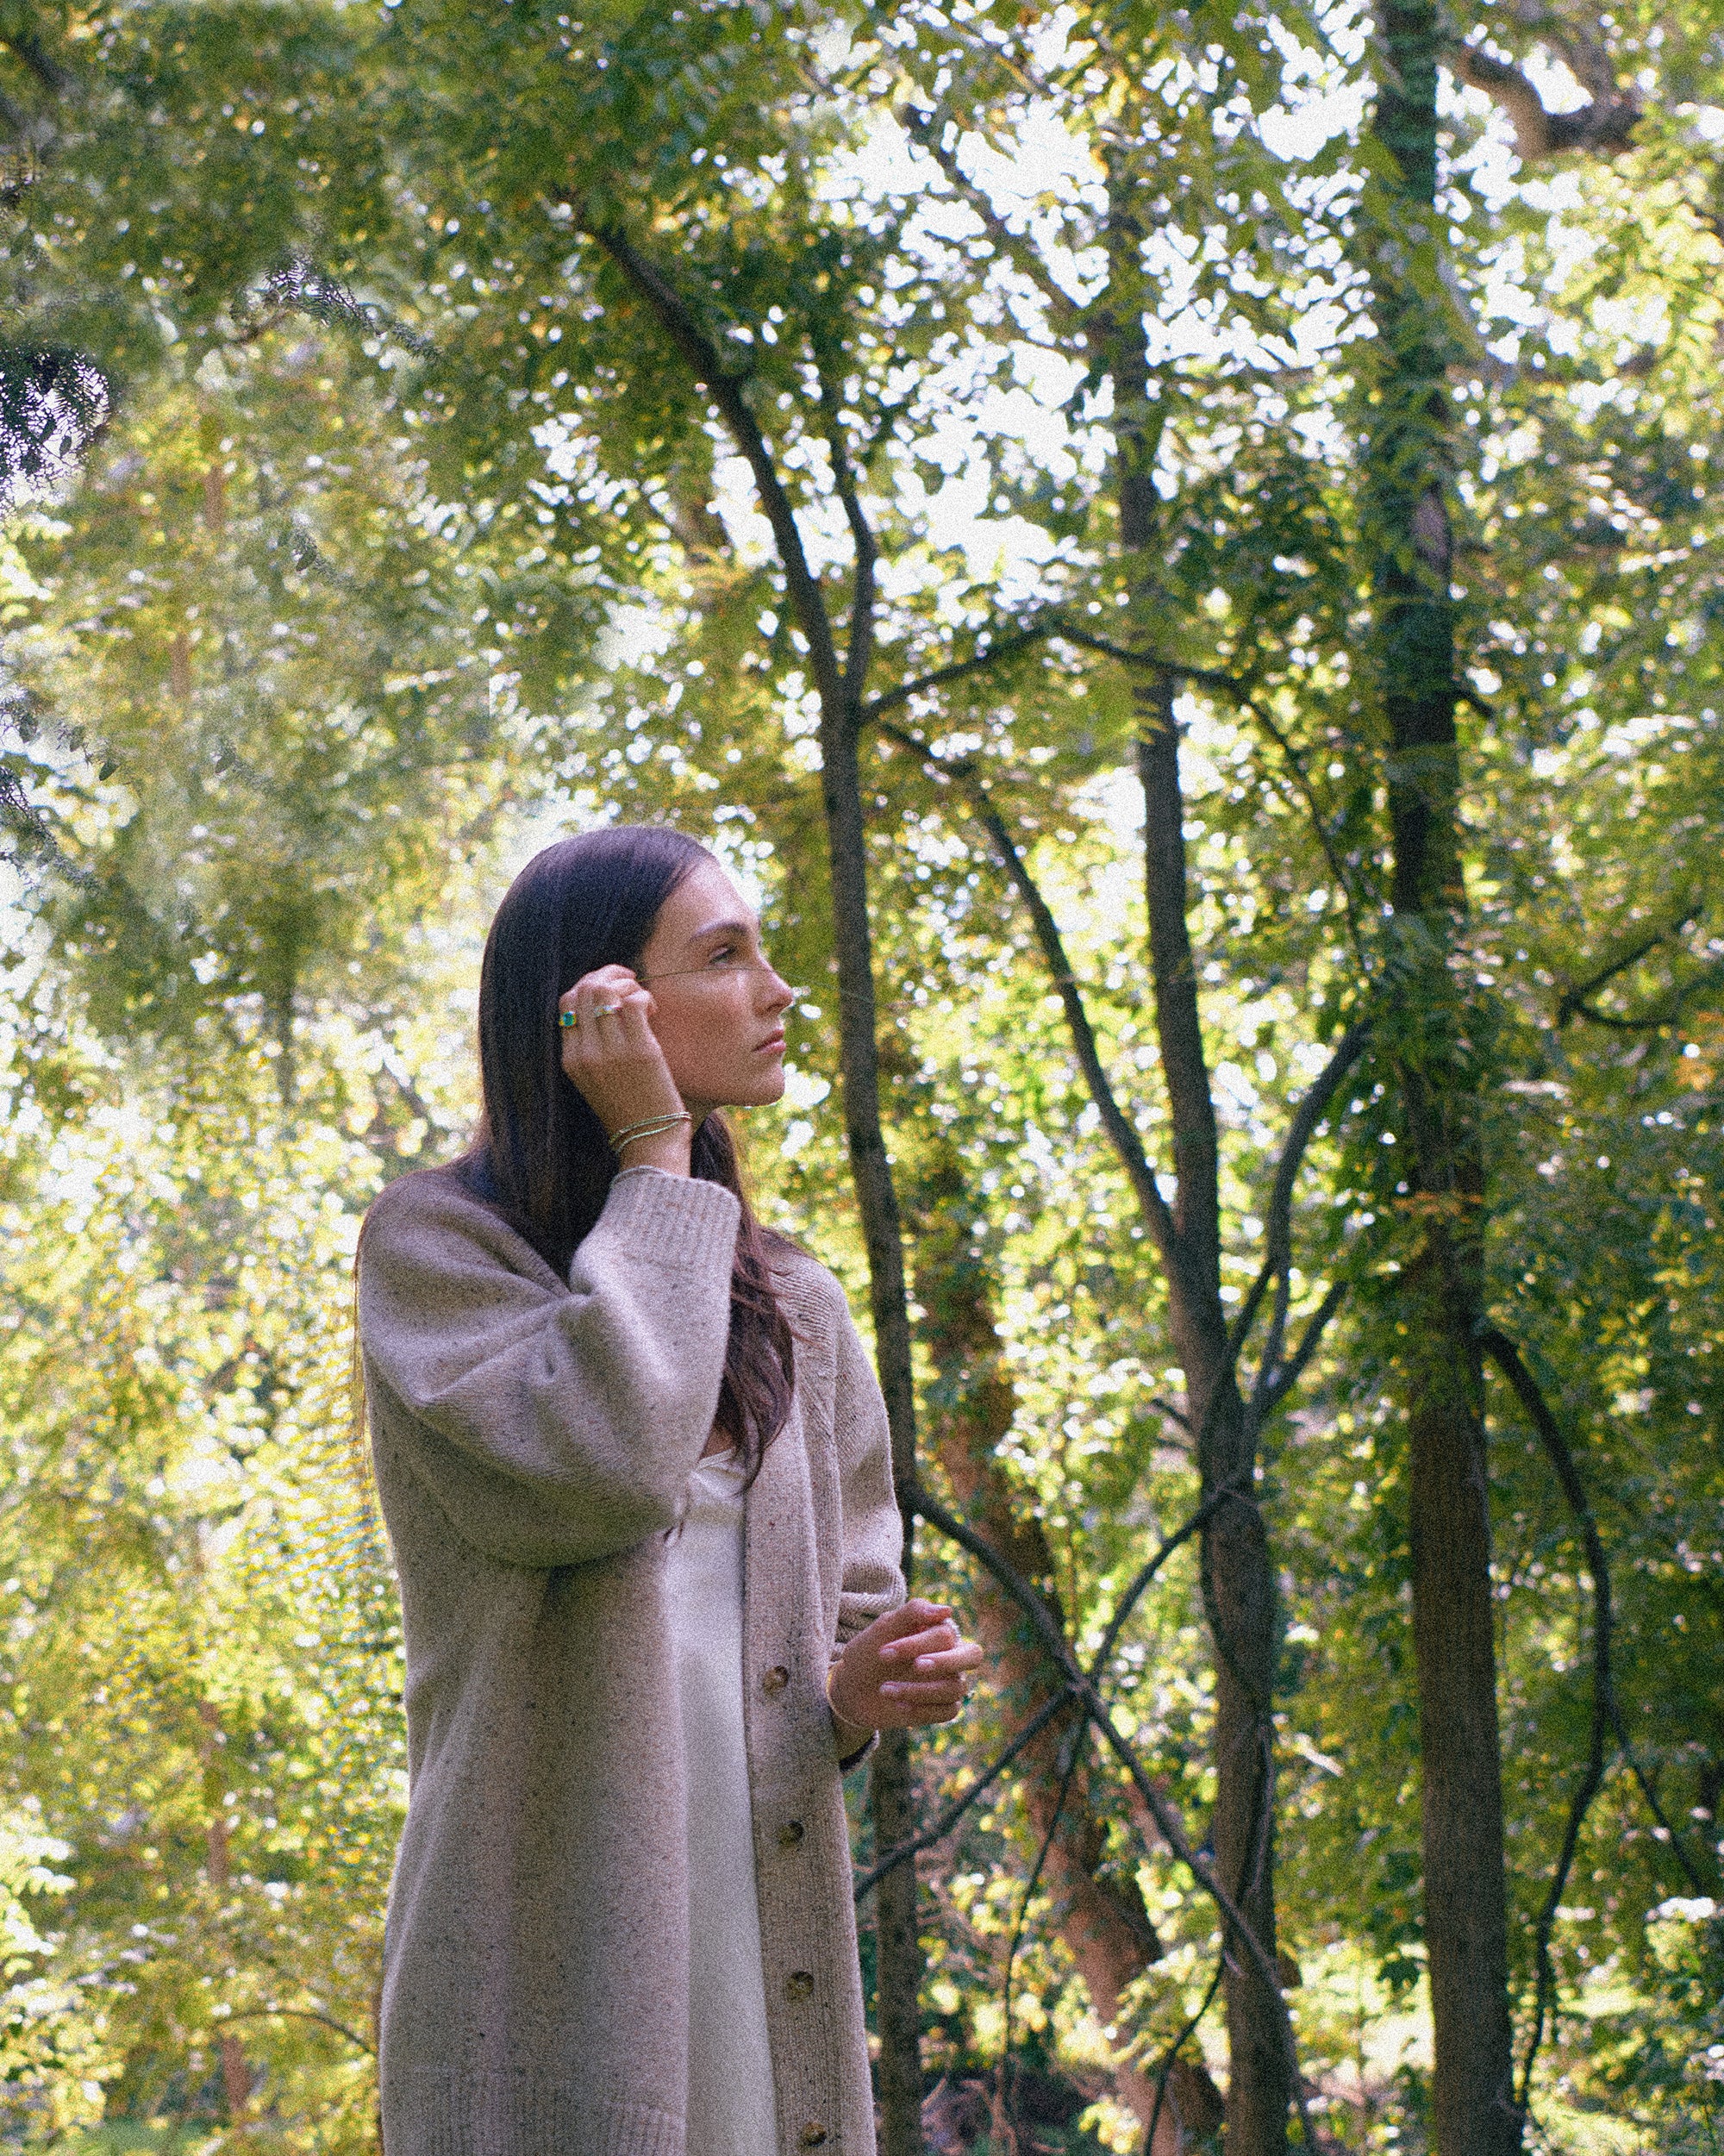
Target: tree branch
{"x": 1260, "y": 1838}
{"x": 1053, "y": 1644}
{"x": 1648, "y": 1024}
{"x": 1125, "y": 1142}
{"x": 1312, "y": 1108}
{"x": 40, "y": 62}
{"x": 1178, "y": 2044}
{"x": 1567, "y": 36}
{"x": 1496, "y": 1344}
{"x": 1127, "y": 1601}
{"x": 1259, "y": 1696}
{"x": 1238, "y": 693}
{"x": 296, "y": 2013}
{"x": 1283, "y": 1379}
{"x": 1605, "y": 126}
{"x": 1196, "y": 1134}
{"x": 1503, "y": 1352}
{"x": 1004, "y": 647}
{"x": 860, "y": 657}
{"x": 1166, "y": 1818}
{"x": 726, "y": 390}
{"x": 954, "y": 1811}
{"x": 1606, "y": 1711}
{"x": 1308, "y": 794}
{"x": 1053, "y": 623}
{"x": 1665, "y": 1012}
{"x": 1277, "y": 1260}
{"x": 1078, "y": 1740}
{"x": 1573, "y": 1000}
{"x": 1156, "y": 662}
{"x": 923, "y": 128}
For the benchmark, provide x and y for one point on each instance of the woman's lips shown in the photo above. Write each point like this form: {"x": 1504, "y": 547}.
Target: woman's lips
{"x": 774, "y": 1046}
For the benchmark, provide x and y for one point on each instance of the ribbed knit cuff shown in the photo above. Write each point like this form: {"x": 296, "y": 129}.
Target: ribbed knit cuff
{"x": 670, "y": 1220}
{"x": 849, "y": 1761}
{"x": 474, "y": 2113}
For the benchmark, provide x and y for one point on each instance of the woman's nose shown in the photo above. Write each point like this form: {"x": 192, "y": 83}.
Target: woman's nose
{"x": 779, "y": 994}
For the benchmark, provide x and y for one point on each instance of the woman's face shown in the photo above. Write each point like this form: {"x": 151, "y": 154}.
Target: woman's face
{"x": 718, "y": 1007}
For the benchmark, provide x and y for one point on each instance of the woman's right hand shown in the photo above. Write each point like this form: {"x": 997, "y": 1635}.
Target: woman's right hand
{"x": 612, "y": 1056}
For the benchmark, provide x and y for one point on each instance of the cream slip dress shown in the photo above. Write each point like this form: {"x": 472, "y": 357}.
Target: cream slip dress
{"x": 731, "y": 2107}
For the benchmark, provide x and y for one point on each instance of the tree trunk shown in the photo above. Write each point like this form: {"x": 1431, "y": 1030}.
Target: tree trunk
{"x": 842, "y": 688}
{"x": 897, "y": 1959}
{"x": 1240, "y": 1585}
{"x": 897, "y": 1950}
{"x": 1100, "y": 1911}
{"x": 1240, "y": 1594}
{"x": 1440, "y": 1298}
{"x": 841, "y": 691}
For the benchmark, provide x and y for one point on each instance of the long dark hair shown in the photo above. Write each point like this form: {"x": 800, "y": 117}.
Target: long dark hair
{"x": 539, "y": 1155}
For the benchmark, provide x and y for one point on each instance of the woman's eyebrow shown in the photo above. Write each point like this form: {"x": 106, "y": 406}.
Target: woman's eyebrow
{"x": 723, "y": 928}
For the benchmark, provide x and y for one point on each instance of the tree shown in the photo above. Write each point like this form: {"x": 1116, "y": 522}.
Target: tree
{"x": 1405, "y": 470}
{"x": 223, "y": 930}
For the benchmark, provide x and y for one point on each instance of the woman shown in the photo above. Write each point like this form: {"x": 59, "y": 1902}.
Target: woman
{"x": 635, "y": 1469}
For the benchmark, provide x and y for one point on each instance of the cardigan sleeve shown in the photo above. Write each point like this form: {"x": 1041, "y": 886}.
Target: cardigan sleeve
{"x": 553, "y": 1423}
{"x": 872, "y": 1581}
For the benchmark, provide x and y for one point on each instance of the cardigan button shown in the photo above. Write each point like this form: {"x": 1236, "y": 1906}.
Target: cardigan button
{"x": 812, "y": 2135}
{"x": 775, "y": 1681}
{"x": 791, "y": 1833}
{"x": 799, "y": 1984}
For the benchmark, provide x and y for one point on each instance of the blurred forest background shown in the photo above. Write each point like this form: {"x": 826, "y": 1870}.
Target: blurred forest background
{"x": 1180, "y": 552}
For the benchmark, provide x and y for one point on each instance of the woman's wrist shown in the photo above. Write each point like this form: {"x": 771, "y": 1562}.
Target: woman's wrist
{"x": 851, "y": 1735}
{"x": 668, "y": 1149}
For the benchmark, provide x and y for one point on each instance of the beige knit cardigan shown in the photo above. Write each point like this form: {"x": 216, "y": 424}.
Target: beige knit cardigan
{"x": 533, "y": 1440}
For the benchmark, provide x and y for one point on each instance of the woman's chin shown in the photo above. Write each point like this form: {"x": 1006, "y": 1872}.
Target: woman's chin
{"x": 764, "y": 1089}
{"x": 760, "y": 1090}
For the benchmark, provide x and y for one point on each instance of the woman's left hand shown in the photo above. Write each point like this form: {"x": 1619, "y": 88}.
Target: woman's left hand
{"x": 910, "y": 1666}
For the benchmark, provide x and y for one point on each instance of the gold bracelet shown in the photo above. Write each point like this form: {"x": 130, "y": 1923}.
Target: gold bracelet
{"x": 644, "y": 1126}
{"x": 651, "y": 1126}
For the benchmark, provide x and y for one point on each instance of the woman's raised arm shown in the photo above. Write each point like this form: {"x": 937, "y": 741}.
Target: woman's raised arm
{"x": 553, "y": 1423}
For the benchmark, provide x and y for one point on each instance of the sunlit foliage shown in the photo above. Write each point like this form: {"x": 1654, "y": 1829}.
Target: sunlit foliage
{"x": 408, "y": 538}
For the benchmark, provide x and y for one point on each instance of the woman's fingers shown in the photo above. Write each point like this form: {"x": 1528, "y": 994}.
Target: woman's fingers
{"x": 936, "y": 1685}
{"x": 925, "y": 1641}
{"x": 604, "y": 985}
{"x": 634, "y": 1017}
{"x": 947, "y": 1669}
{"x": 610, "y": 1051}
{"x": 932, "y": 1651}
{"x": 611, "y": 992}
{"x": 932, "y": 1703}
{"x": 953, "y": 1661}
{"x": 911, "y": 1666}
{"x": 914, "y": 1616}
